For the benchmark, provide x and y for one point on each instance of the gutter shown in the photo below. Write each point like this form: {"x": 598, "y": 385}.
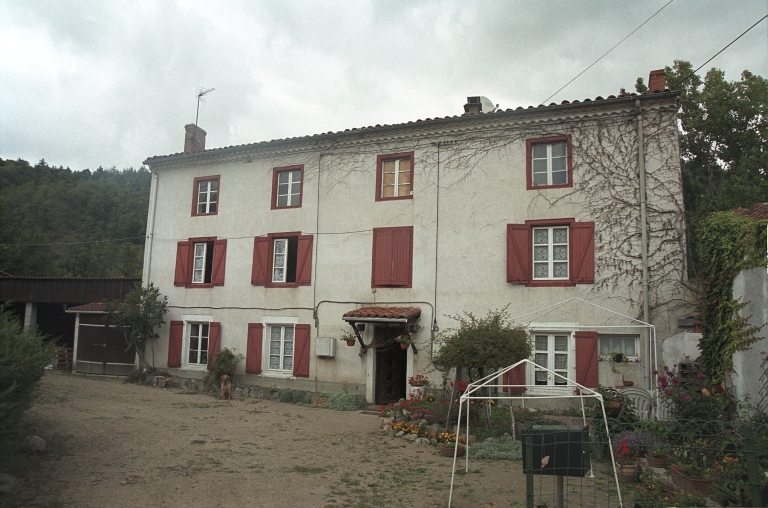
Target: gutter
{"x": 643, "y": 237}
{"x": 150, "y": 231}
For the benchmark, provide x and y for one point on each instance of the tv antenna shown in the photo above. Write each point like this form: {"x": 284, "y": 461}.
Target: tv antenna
{"x": 200, "y": 95}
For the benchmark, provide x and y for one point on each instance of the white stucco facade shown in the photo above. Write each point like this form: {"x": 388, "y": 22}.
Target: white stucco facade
{"x": 469, "y": 184}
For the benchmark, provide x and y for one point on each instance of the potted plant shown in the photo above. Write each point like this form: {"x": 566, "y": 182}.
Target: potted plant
{"x": 691, "y": 478}
{"x": 626, "y": 463}
{"x": 418, "y": 382}
{"x": 349, "y": 338}
{"x": 405, "y": 340}
{"x": 447, "y": 444}
{"x": 658, "y": 456}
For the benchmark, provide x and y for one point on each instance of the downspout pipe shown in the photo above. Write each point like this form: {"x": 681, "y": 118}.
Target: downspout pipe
{"x": 150, "y": 230}
{"x": 644, "y": 241}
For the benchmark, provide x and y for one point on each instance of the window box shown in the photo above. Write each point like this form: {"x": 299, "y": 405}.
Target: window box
{"x": 205, "y": 196}
{"x": 549, "y": 163}
{"x": 558, "y": 252}
{"x": 287, "y": 187}
{"x": 394, "y": 176}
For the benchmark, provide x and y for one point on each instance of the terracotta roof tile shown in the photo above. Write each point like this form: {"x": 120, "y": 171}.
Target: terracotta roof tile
{"x": 88, "y": 307}
{"x": 757, "y": 212}
{"x": 385, "y": 312}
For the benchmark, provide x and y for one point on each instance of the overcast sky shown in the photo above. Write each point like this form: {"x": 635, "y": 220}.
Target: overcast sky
{"x": 109, "y": 83}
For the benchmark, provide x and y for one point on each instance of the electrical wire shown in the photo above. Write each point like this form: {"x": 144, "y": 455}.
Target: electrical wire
{"x": 606, "y": 53}
{"x": 69, "y": 243}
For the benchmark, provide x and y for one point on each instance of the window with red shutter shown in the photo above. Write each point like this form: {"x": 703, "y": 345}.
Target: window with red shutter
{"x": 183, "y": 274}
{"x": 392, "y": 262}
{"x": 214, "y": 342}
{"x": 200, "y": 262}
{"x": 175, "y": 338}
{"x": 253, "y": 348}
{"x": 301, "y": 351}
{"x": 282, "y": 260}
{"x": 552, "y": 252}
{"x": 586, "y": 359}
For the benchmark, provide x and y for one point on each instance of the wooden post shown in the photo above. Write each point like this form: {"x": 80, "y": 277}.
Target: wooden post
{"x": 453, "y": 396}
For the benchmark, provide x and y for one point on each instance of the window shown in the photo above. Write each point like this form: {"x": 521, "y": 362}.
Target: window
{"x": 548, "y": 162}
{"x": 551, "y": 351}
{"x": 205, "y": 197}
{"x": 282, "y": 260}
{"x": 558, "y": 252}
{"x": 193, "y": 342}
{"x": 394, "y": 176}
{"x": 287, "y": 185}
{"x": 550, "y": 253}
{"x": 392, "y": 263}
{"x": 619, "y": 344}
{"x": 281, "y": 348}
{"x": 200, "y": 262}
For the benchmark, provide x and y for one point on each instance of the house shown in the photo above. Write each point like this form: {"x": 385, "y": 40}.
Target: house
{"x": 277, "y": 248}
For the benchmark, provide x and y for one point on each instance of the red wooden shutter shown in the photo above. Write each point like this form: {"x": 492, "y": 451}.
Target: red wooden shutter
{"x": 301, "y": 351}
{"x": 253, "y": 348}
{"x": 518, "y": 254}
{"x": 382, "y": 257}
{"x": 586, "y": 359}
{"x": 583, "y": 252}
{"x": 515, "y": 376}
{"x": 174, "y": 344}
{"x": 219, "y": 262}
{"x": 182, "y": 276}
{"x": 214, "y": 342}
{"x": 402, "y": 256}
{"x": 260, "y": 258}
{"x": 304, "y": 261}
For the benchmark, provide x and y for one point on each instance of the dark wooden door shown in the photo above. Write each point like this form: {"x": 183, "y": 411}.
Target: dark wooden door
{"x": 391, "y": 362}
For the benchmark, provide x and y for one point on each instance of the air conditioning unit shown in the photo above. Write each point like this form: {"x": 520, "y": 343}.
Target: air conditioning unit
{"x": 326, "y": 347}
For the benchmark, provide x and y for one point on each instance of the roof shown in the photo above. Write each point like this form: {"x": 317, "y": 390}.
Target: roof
{"x": 95, "y": 307}
{"x": 382, "y": 313}
{"x": 757, "y": 212}
{"x": 378, "y": 127}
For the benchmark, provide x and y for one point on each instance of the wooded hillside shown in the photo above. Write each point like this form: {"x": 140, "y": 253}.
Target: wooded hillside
{"x": 55, "y": 222}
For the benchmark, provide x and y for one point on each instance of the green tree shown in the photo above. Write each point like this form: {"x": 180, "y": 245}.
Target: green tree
{"x": 723, "y": 145}
{"x": 137, "y": 316}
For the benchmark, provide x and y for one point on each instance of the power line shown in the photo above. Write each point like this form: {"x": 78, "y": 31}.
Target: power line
{"x": 69, "y": 243}
{"x": 604, "y": 54}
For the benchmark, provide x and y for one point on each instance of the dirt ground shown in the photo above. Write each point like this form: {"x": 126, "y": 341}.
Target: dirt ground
{"x": 128, "y": 445}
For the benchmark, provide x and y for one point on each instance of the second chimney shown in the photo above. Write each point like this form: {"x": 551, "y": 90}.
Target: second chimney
{"x": 194, "y": 139}
{"x": 657, "y": 81}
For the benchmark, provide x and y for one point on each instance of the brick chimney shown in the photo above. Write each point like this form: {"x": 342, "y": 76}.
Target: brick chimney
{"x": 194, "y": 139}
{"x": 657, "y": 81}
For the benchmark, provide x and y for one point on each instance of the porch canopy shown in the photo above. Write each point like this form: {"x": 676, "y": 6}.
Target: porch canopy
{"x": 382, "y": 316}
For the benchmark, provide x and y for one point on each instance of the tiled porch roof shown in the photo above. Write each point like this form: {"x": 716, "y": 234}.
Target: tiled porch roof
{"x": 363, "y": 313}
{"x": 757, "y": 212}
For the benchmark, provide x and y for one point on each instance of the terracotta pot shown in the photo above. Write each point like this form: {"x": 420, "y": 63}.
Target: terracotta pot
{"x": 404, "y": 345}
{"x": 626, "y": 472}
{"x": 448, "y": 450}
{"x": 351, "y": 342}
{"x": 612, "y": 407}
{"x": 660, "y": 462}
{"x": 703, "y": 485}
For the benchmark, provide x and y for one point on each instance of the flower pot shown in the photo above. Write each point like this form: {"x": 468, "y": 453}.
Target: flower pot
{"x": 626, "y": 472}
{"x": 702, "y": 485}
{"x": 417, "y": 391}
{"x": 351, "y": 342}
{"x": 404, "y": 345}
{"x": 448, "y": 449}
{"x": 612, "y": 407}
{"x": 660, "y": 462}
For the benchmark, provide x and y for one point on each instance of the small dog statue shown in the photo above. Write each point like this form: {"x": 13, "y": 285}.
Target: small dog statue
{"x": 226, "y": 388}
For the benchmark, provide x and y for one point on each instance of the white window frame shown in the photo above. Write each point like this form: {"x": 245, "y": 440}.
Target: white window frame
{"x": 188, "y": 321}
{"x": 550, "y": 261}
{"x": 208, "y": 202}
{"x": 602, "y": 336}
{"x": 293, "y": 198}
{"x": 549, "y": 159}
{"x": 275, "y": 266}
{"x": 268, "y": 322}
{"x": 396, "y": 184}
{"x": 552, "y": 328}
{"x": 195, "y": 257}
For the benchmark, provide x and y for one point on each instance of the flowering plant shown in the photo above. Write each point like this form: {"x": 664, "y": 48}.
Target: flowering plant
{"x": 418, "y": 380}
{"x": 404, "y": 338}
{"x": 694, "y": 396}
{"x": 637, "y": 443}
{"x": 461, "y": 386}
{"x": 623, "y": 454}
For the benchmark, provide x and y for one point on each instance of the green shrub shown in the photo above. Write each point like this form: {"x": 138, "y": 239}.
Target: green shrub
{"x": 497, "y": 448}
{"x": 225, "y": 362}
{"x": 23, "y": 357}
{"x": 345, "y": 401}
{"x": 285, "y": 395}
{"x": 302, "y": 397}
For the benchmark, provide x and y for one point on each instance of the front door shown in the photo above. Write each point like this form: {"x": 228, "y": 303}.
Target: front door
{"x": 391, "y": 362}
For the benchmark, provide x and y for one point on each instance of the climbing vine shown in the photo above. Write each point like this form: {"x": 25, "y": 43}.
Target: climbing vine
{"x": 728, "y": 243}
